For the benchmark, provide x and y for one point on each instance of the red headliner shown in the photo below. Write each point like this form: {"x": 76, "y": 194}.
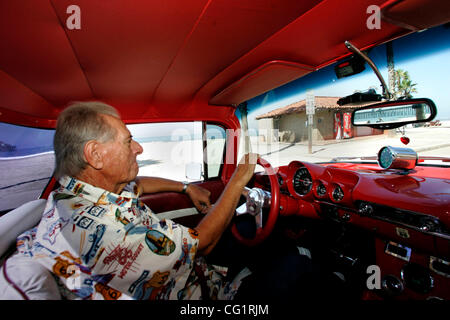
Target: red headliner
{"x": 168, "y": 59}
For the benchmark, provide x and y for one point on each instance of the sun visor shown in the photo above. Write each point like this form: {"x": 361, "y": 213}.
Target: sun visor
{"x": 262, "y": 79}
{"x": 416, "y": 14}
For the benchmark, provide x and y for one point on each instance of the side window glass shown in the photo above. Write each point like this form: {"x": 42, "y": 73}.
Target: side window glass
{"x": 215, "y": 141}
{"x": 26, "y": 164}
{"x": 169, "y": 148}
{"x": 27, "y": 158}
{"x": 176, "y": 150}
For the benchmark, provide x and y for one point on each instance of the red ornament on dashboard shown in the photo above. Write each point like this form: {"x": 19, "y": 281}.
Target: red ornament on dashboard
{"x": 404, "y": 140}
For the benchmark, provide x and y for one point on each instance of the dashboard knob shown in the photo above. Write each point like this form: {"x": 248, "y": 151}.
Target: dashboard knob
{"x": 428, "y": 225}
{"x": 345, "y": 217}
{"x": 392, "y": 285}
{"x": 365, "y": 209}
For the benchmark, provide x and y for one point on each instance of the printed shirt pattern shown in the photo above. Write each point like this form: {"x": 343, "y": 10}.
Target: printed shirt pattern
{"x": 100, "y": 245}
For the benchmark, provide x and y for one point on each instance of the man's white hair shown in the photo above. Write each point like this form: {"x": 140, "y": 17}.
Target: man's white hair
{"x": 76, "y": 125}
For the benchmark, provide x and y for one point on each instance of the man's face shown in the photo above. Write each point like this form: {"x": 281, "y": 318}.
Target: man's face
{"x": 119, "y": 154}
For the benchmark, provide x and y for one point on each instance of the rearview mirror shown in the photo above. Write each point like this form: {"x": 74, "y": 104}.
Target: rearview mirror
{"x": 394, "y": 114}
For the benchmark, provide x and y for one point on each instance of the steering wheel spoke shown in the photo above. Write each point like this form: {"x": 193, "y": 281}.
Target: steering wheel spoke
{"x": 256, "y": 200}
{"x": 259, "y": 220}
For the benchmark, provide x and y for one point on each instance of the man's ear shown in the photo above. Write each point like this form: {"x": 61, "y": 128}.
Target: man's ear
{"x": 93, "y": 154}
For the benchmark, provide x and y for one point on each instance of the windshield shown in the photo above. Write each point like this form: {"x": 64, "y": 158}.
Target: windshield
{"x": 415, "y": 66}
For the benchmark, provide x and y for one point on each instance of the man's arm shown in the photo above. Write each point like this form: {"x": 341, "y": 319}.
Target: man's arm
{"x": 198, "y": 195}
{"x": 212, "y": 226}
{"x": 154, "y": 185}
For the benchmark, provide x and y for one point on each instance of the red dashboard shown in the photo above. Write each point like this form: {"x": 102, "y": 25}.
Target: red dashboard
{"x": 408, "y": 212}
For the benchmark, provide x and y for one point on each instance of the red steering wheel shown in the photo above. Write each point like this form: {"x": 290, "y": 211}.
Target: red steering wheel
{"x": 257, "y": 199}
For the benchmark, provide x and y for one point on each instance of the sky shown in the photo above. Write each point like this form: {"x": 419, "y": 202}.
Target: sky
{"x": 425, "y": 55}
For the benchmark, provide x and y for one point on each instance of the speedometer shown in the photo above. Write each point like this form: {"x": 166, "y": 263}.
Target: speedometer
{"x": 302, "y": 181}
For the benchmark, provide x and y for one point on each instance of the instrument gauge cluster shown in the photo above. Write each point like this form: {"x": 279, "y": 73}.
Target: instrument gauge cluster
{"x": 316, "y": 182}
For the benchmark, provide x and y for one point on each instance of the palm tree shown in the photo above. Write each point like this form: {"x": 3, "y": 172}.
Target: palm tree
{"x": 400, "y": 84}
{"x": 391, "y": 67}
{"x": 403, "y": 87}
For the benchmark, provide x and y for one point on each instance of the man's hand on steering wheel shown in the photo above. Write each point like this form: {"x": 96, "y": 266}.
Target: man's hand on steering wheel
{"x": 246, "y": 168}
{"x": 211, "y": 227}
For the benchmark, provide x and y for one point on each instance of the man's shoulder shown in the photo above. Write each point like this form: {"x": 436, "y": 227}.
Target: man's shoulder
{"x": 66, "y": 202}
{"x": 65, "y": 211}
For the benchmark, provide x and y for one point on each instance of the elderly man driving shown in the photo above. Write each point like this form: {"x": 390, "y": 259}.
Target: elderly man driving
{"x": 102, "y": 242}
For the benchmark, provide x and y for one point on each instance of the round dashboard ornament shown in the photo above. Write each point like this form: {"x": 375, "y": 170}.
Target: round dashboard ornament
{"x": 397, "y": 158}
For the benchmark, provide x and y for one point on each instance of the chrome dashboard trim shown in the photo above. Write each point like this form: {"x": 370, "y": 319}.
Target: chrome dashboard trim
{"x": 434, "y": 259}
{"x": 391, "y": 244}
{"x": 441, "y": 233}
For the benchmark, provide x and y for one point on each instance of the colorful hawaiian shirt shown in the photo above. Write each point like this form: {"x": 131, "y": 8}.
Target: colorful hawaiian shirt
{"x": 100, "y": 245}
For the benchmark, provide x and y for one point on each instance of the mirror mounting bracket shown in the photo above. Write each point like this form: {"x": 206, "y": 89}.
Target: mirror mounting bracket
{"x": 386, "y": 93}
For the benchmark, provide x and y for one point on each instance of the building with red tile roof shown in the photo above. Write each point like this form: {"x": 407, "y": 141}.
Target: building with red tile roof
{"x": 330, "y": 121}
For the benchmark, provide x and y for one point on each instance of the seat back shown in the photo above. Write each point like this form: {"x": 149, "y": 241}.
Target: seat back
{"x": 20, "y": 276}
{"x": 19, "y": 220}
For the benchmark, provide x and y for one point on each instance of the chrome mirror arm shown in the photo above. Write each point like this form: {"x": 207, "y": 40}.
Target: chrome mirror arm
{"x": 386, "y": 93}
